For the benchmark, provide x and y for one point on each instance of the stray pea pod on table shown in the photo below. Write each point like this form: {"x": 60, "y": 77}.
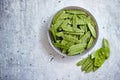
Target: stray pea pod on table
{"x": 96, "y": 59}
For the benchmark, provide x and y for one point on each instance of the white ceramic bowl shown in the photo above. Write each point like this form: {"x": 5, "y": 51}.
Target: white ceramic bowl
{"x": 72, "y": 8}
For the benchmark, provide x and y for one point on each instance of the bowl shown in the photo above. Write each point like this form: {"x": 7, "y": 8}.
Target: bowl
{"x": 72, "y": 8}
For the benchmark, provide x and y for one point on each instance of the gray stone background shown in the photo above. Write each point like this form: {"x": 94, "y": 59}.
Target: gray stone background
{"x": 25, "y": 53}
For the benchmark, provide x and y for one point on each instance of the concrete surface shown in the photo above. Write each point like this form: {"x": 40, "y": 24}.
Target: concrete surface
{"x": 25, "y": 53}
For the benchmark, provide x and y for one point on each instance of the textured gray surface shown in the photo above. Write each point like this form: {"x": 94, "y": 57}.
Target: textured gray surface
{"x": 25, "y": 53}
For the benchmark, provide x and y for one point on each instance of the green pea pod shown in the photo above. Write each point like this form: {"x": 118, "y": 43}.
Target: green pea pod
{"x": 91, "y": 21}
{"x": 68, "y": 28}
{"x": 84, "y": 27}
{"x": 74, "y": 33}
{"x": 78, "y": 30}
{"x": 86, "y": 63}
{"x": 70, "y": 38}
{"x": 59, "y": 45}
{"x": 98, "y": 60}
{"x": 67, "y": 16}
{"x": 76, "y": 12}
{"x": 63, "y": 42}
{"x": 83, "y": 18}
{"x": 90, "y": 68}
{"x": 106, "y": 45}
{"x": 85, "y": 38}
{"x": 76, "y": 49}
{"x": 57, "y": 24}
{"x": 74, "y": 23}
{"x": 64, "y": 24}
{"x": 70, "y": 44}
{"x": 90, "y": 43}
{"x": 92, "y": 30}
{"x": 56, "y": 18}
{"x": 80, "y": 21}
{"x": 53, "y": 29}
{"x": 59, "y": 34}
{"x": 81, "y": 62}
{"x": 58, "y": 41}
{"x": 53, "y": 34}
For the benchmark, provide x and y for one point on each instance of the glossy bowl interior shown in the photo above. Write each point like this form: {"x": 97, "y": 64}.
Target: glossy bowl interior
{"x": 72, "y": 8}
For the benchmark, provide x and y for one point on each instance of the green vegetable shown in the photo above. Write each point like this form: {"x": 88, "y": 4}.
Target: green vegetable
{"x": 75, "y": 23}
{"x": 107, "y": 47}
{"x": 96, "y": 59}
{"x": 74, "y": 33}
{"x": 90, "y": 68}
{"x": 57, "y": 24}
{"x": 70, "y": 38}
{"x": 76, "y": 49}
{"x": 81, "y": 62}
{"x": 76, "y": 12}
{"x": 85, "y": 38}
{"x": 56, "y": 18}
{"x": 84, "y": 27}
{"x": 90, "y": 20}
{"x": 53, "y": 34}
{"x": 86, "y": 63}
{"x": 90, "y": 42}
{"x": 99, "y": 60}
{"x": 92, "y": 30}
{"x": 70, "y": 31}
{"x": 59, "y": 34}
{"x": 80, "y": 21}
{"x": 60, "y": 45}
{"x": 68, "y": 28}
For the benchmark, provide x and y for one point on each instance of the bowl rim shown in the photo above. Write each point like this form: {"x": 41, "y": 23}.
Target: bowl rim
{"x": 72, "y": 8}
